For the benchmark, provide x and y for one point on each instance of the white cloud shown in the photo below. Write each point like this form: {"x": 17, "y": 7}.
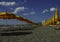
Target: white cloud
{"x": 18, "y": 9}
{"x": 25, "y": 14}
{"x": 11, "y": 8}
{"x": 3, "y": 3}
{"x": 44, "y": 11}
{"x": 31, "y": 13}
{"x": 52, "y": 9}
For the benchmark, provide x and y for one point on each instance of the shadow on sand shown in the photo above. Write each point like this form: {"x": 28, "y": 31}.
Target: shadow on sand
{"x": 15, "y": 34}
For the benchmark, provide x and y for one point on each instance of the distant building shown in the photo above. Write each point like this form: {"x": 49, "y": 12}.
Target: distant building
{"x": 43, "y": 22}
{"x": 54, "y": 20}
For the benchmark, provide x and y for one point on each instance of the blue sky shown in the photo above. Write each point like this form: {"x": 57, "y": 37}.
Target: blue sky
{"x": 34, "y": 10}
